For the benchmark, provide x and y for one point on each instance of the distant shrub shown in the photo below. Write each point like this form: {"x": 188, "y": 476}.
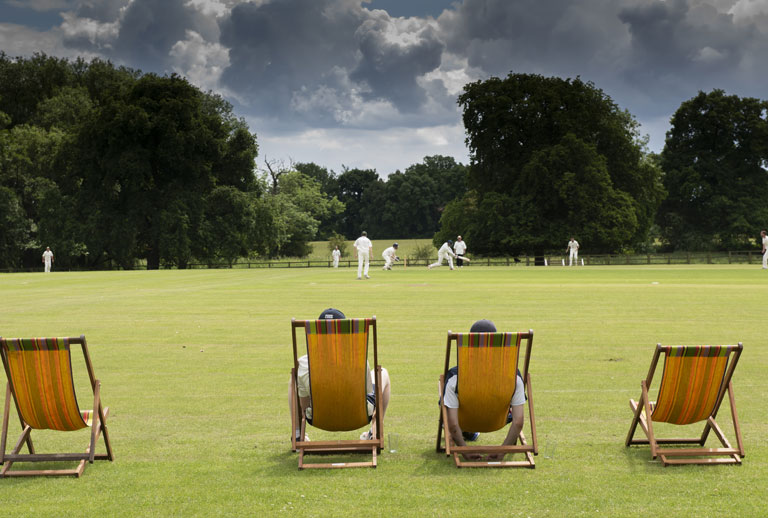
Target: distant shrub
{"x": 340, "y": 241}
{"x": 423, "y": 252}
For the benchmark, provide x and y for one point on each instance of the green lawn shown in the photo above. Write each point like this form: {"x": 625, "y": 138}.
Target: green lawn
{"x": 194, "y": 365}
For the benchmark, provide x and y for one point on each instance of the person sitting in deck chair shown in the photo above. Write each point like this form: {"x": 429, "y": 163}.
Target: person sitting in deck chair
{"x": 304, "y": 393}
{"x": 515, "y": 417}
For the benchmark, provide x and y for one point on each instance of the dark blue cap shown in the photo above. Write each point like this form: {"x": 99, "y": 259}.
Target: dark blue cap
{"x": 331, "y": 314}
{"x": 483, "y": 326}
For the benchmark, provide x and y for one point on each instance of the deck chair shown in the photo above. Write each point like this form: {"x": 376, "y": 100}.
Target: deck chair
{"x": 39, "y": 372}
{"x": 693, "y": 384}
{"x": 488, "y": 364}
{"x": 337, "y": 351}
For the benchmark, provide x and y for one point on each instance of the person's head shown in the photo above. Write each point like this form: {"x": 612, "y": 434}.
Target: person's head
{"x": 449, "y": 242}
{"x": 483, "y": 326}
{"x": 337, "y": 247}
{"x": 571, "y": 238}
{"x": 763, "y": 233}
{"x": 364, "y": 234}
{"x": 331, "y": 314}
{"x": 48, "y": 248}
{"x": 395, "y": 245}
{"x": 458, "y": 238}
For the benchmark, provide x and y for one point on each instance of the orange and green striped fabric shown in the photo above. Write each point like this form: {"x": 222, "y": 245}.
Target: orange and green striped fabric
{"x": 487, "y": 378}
{"x": 690, "y": 383}
{"x": 41, "y": 377}
{"x": 337, "y": 351}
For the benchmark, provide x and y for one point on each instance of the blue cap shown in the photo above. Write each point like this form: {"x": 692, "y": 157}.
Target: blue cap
{"x": 450, "y": 242}
{"x": 331, "y": 314}
{"x": 483, "y": 326}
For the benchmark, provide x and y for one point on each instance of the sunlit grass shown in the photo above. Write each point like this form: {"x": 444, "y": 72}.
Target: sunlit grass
{"x": 194, "y": 366}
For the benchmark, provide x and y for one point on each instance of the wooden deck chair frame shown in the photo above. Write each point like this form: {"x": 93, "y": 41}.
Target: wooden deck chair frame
{"x": 643, "y": 416}
{"x": 298, "y": 421}
{"x": 98, "y": 426}
{"x": 447, "y": 444}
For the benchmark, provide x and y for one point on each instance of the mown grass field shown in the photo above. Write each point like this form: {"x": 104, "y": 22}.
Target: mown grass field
{"x": 194, "y": 365}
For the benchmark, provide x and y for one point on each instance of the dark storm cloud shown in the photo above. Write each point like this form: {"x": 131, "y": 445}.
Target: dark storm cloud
{"x": 649, "y": 55}
{"x": 390, "y": 68}
{"x": 677, "y": 45}
{"x": 321, "y": 60}
{"x": 282, "y": 49}
{"x": 329, "y": 63}
{"x": 144, "y": 32}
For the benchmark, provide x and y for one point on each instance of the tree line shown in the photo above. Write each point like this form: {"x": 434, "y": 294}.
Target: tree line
{"x": 112, "y": 167}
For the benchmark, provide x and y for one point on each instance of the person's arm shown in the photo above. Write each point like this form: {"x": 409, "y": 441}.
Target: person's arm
{"x": 515, "y": 427}
{"x": 456, "y": 433}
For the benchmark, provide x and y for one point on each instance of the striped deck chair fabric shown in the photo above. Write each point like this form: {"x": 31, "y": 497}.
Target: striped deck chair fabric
{"x": 690, "y": 383}
{"x": 487, "y": 377}
{"x": 40, "y": 383}
{"x": 338, "y": 373}
{"x": 695, "y": 381}
{"x": 40, "y": 371}
{"x": 485, "y": 383}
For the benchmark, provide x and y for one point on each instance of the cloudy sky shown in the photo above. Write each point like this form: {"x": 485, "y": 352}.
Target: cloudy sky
{"x": 373, "y": 83}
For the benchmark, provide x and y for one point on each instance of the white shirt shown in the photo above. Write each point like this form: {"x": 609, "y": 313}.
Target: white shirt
{"x": 47, "y": 256}
{"x": 363, "y": 245}
{"x": 765, "y": 242}
{"x": 460, "y": 247}
{"x": 573, "y": 245}
{"x": 389, "y": 252}
{"x": 445, "y": 249}
{"x": 336, "y": 254}
{"x": 451, "y": 399}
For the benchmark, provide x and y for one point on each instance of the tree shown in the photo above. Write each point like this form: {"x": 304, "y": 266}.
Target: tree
{"x": 359, "y": 190}
{"x": 413, "y": 201}
{"x": 147, "y": 159}
{"x": 715, "y": 161}
{"x": 551, "y": 158}
{"x": 301, "y": 206}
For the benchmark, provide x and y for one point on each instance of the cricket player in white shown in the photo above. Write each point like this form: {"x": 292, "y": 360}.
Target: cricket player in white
{"x": 444, "y": 253}
{"x": 764, "y": 235}
{"x": 47, "y": 259}
{"x": 390, "y": 256}
{"x": 336, "y": 254}
{"x": 573, "y": 247}
{"x": 364, "y": 249}
{"x": 460, "y": 247}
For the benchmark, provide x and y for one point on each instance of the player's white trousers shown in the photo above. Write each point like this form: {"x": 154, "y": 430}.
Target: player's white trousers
{"x": 441, "y": 258}
{"x": 362, "y": 257}
{"x": 574, "y": 257}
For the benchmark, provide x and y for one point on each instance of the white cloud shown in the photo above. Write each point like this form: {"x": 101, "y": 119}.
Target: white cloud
{"x": 100, "y": 35}
{"x": 200, "y": 61}
{"x": 17, "y": 40}
{"x": 747, "y": 10}
{"x": 386, "y": 151}
{"x": 213, "y": 8}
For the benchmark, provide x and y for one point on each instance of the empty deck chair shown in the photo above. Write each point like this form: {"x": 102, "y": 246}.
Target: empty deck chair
{"x": 40, "y": 383}
{"x": 693, "y": 385}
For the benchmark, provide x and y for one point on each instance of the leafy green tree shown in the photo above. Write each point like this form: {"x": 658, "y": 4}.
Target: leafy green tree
{"x": 148, "y": 157}
{"x": 301, "y": 206}
{"x": 413, "y": 201}
{"x": 715, "y": 161}
{"x": 552, "y": 158}
{"x": 329, "y": 185}
{"x": 359, "y": 190}
{"x": 16, "y": 229}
